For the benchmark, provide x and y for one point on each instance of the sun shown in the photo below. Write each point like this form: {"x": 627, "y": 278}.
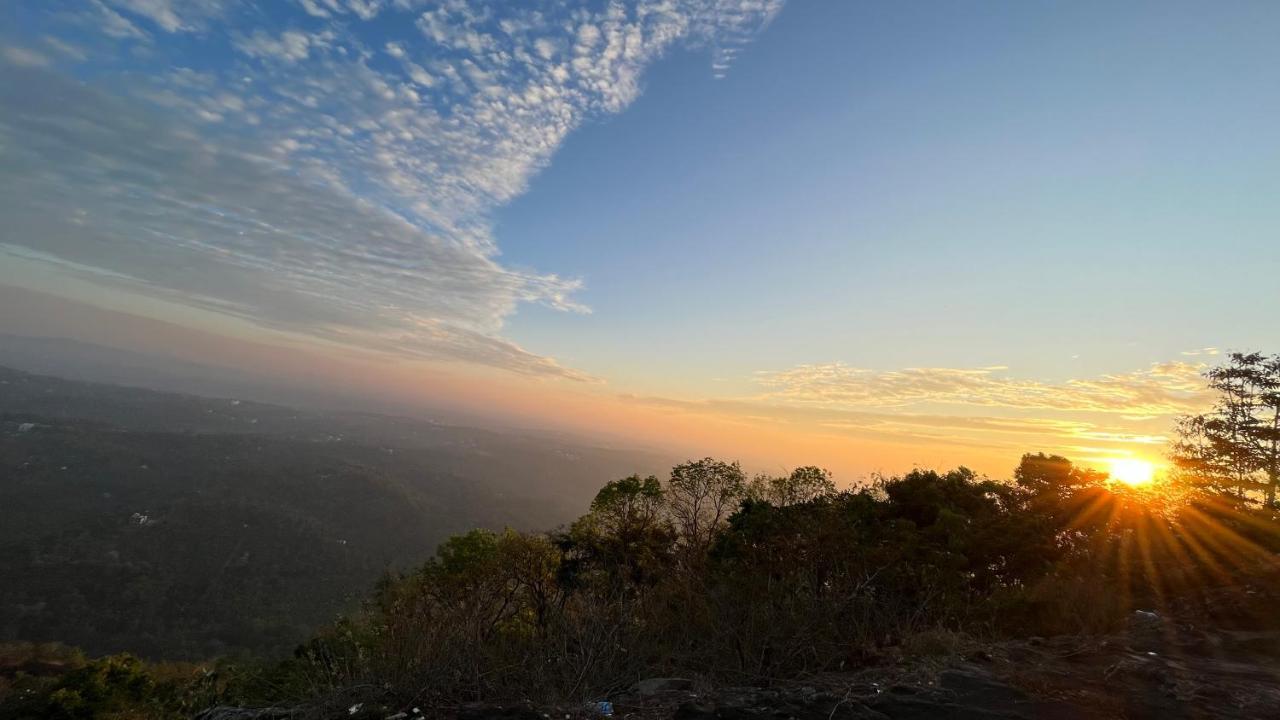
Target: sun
{"x": 1132, "y": 471}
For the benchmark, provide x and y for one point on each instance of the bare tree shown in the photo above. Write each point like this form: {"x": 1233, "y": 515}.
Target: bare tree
{"x": 700, "y": 496}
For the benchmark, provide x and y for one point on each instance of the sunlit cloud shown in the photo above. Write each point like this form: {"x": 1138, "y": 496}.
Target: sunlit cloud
{"x": 1163, "y": 388}
{"x": 963, "y": 413}
{"x": 962, "y": 430}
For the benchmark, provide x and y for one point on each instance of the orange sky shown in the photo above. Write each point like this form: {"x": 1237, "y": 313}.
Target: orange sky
{"x": 855, "y": 422}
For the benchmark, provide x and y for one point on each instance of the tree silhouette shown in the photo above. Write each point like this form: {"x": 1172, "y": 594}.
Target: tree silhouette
{"x": 1234, "y": 448}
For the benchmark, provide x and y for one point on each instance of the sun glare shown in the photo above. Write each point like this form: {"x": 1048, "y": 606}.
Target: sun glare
{"x": 1132, "y": 471}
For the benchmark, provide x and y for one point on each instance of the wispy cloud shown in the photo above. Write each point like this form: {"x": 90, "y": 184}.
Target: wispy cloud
{"x": 1163, "y": 388}
{"x": 170, "y": 16}
{"x": 67, "y": 49}
{"x": 291, "y": 46}
{"x": 23, "y": 57}
{"x": 332, "y": 176}
{"x": 985, "y": 409}
{"x": 109, "y": 22}
{"x": 1013, "y": 434}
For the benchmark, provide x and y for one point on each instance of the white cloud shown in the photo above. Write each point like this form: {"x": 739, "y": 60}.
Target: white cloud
{"x": 112, "y": 23}
{"x": 290, "y": 47}
{"x": 166, "y": 213}
{"x": 317, "y": 185}
{"x": 320, "y": 8}
{"x": 161, "y": 12}
{"x": 174, "y": 16}
{"x": 366, "y": 9}
{"x": 363, "y": 9}
{"x": 546, "y": 48}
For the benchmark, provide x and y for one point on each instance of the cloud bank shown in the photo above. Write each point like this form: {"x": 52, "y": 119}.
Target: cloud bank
{"x": 985, "y": 409}
{"x": 1161, "y": 389}
{"x": 331, "y": 170}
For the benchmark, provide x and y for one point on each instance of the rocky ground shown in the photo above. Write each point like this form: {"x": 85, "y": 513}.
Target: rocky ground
{"x": 1159, "y": 669}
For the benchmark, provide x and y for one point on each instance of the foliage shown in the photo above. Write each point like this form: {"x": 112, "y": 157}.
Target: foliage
{"x": 1234, "y": 449}
{"x": 57, "y": 683}
{"x": 700, "y": 495}
{"x": 707, "y": 574}
{"x": 802, "y": 485}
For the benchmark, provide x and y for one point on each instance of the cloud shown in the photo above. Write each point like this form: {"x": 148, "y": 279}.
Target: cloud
{"x": 152, "y": 206}
{"x": 290, "y": 47}
{"x": 1013, "y": 434}
{"x": 23, "y": 57}
{"x": 172, "y": 16}
{"x": 364, "y": 9}
{"x": 160, "y": 12}
{"x": 1161, "y": 389}
{"x": 727, "y": 25}
{"x": 967, "y": 409}
{"x": 332, "y": 177}
{"x": 110, "y": 23}
{"x": 65, "y": 48}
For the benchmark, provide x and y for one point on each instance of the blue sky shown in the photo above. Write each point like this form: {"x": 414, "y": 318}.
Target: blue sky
{"x": 889, "y": 185}
{"x": 798, "y": 213}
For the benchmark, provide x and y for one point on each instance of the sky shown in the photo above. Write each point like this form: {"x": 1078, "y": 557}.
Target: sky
{"x": 868, "y": 235}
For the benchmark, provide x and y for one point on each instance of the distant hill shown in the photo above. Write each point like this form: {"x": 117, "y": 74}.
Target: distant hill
{"x": 186, "y": 526}
{"x": 76, "y": 360}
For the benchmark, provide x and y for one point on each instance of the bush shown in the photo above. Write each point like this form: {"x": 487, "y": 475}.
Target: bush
{"x": 710, "y": 575}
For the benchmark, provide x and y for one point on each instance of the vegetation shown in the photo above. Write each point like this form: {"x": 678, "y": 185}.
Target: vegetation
{"x": 1234, "y": 449}
{"x": 711, "y": 574}
{"x": 662, "y": 578}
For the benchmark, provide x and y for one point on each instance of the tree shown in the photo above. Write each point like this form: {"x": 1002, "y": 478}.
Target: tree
{"x": 629, "y": 506}
{"x": 804, "y": 484}
{"x": 700, "y": 496}
{"x": 1053, "y": 475}
{"x": 1235, "y": 447}
{"x": 626, "y": 532}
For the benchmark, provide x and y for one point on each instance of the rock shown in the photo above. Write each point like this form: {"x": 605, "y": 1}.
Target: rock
{"x": 1146, "y": 631}
{"x": 980, "y": 689}
{"x": 777, "y": 708}
{"x": 226, "y": 712}
{"x": 660, "y": 686}
{"x": 979, "y": 656}
{"x": 481, "y": 711}
{"x": 969, "y": 692}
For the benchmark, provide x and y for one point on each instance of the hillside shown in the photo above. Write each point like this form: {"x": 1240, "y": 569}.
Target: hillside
{"x": 713, "y": 595}
{"x": 183, "y": 526}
